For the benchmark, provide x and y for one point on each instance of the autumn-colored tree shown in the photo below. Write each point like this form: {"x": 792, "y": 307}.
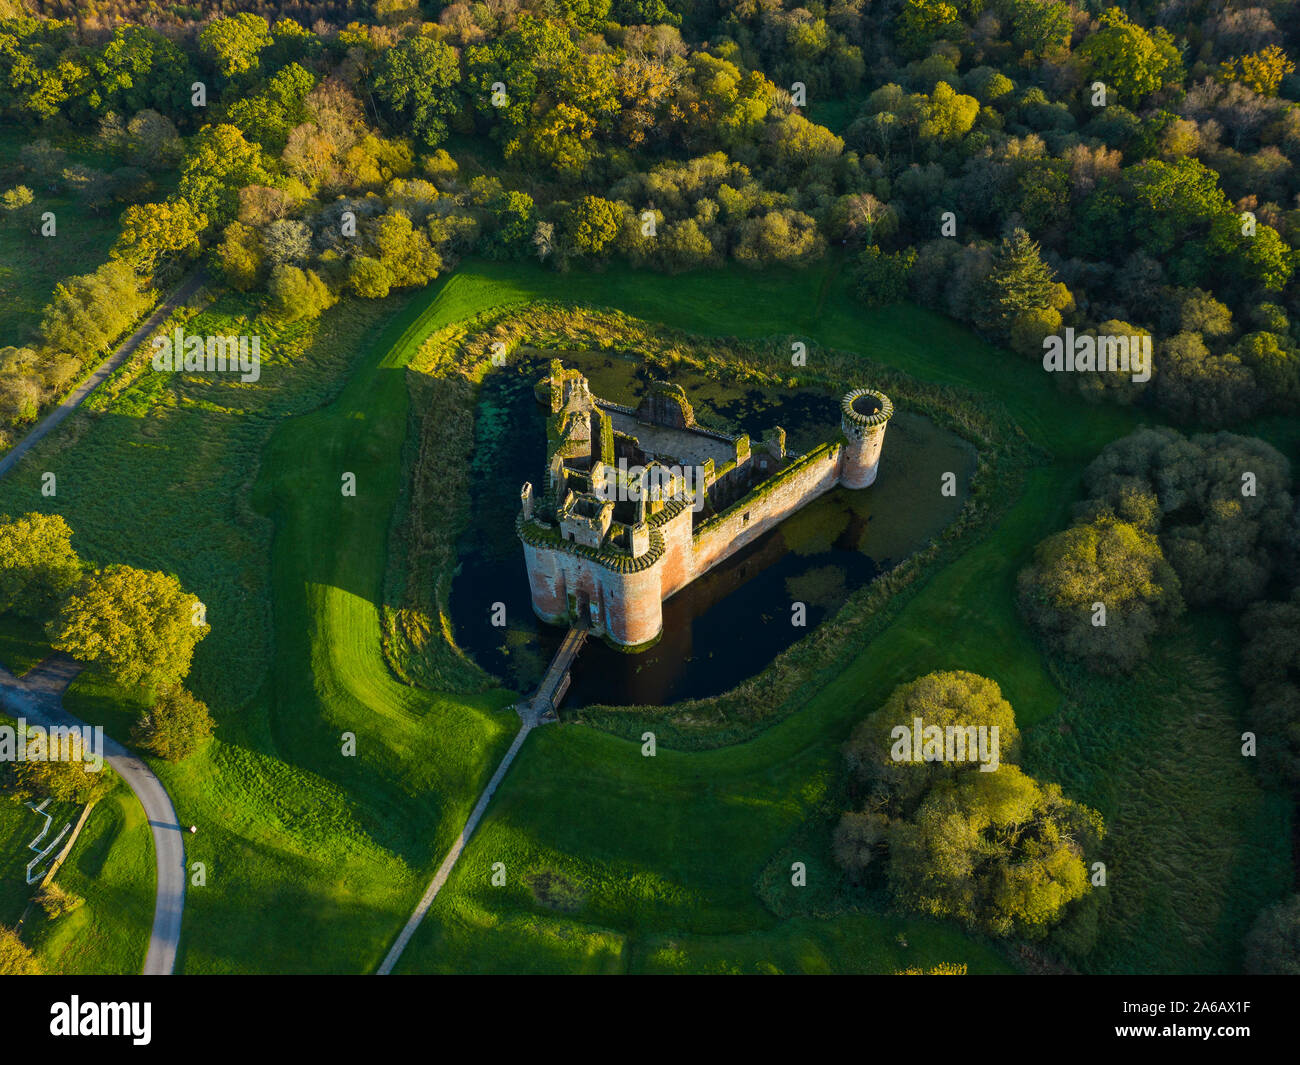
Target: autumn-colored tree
{"x": 234, "y": 44}
{"x": 156, "y": 235}
{"x": 592, "y": 224}
{"x": 297, "y": 294}
{"x": 961, "y": 835}
{"x": 997, "y": 851}
{"x": 88, "y": 313}
{"x": 63, "y": 781}
{"x": 1262, "y": 71}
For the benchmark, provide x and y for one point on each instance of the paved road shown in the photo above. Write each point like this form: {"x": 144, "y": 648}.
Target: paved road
{"x": 38, "y": 697}
{"x": 119, "y": 356}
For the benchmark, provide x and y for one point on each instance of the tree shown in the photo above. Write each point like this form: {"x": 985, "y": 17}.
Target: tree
{"x": 947, "y": 115}
{"x": 592, "y": 224}
{"x": 1020, "y": 281}
{"x": 970, "y": 838}
{"x": 957, "y": 698}
{"x": 297, "y": 294}
{"x": 1041, "y": 28}
{"x": 1128, "y": 59}
{"x": 417, "y": 81}
{"x": 287, "y": 240}
{"x": 781, "y": 236}
{"x": 43, "y": 161}
{"x": 15, "y": 957}
{"x": 1262, "y": 72}
{"x": 1273, "y": 943}
{"x": 89, "y": 312}
{"x": 684, "y": 245}
{"x": 219, "y": 163}
{"x": 21, "y": 396}
{"x": 882, "y": 278}
{"x": 1177, "y": 206}
{"x": 369, "y": 278}
{"x": 405, "y": 251}
{"x": 997, "y": 851}
{"x": 1194, "y": 386}
{"x": 1274, "y": 362}
{"x": 516, "y": 218}
{"x": 234, "y": 44}
{"x": 152, "y": 141}
{"x": 860, "y": 839}
{"x": 267, "y": 116}
{"x": 37, "y": 563}
{"x": 240, "y": 256}
{"x": 1222, "y": 507}
{"x": 1106, "y": 562}
{"x": 138, "y": 68}
{"x": 802, "y": 151}
{"x": 17, "y": 201}
{"x": 139, "y": 626}
{"x": 155, "y": 235}
{"x": 922, "y": 22}
{"x": 174, "y": 727}
{"x": 557, "y": 98}
{"x": 63, "y": 781}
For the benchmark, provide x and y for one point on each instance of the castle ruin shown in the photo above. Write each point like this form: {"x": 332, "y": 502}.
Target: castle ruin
{"x": 638, "y": 502}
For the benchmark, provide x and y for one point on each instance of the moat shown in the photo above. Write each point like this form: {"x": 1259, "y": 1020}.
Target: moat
{"x": 730, "y": 622}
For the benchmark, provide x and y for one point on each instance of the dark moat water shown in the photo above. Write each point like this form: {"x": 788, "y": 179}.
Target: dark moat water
{"x": 727, "y": 625}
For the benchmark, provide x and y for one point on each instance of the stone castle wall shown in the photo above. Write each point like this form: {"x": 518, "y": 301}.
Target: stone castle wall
{"x": 750, "y": 518}
{"x": 626, "y": 607}
{"x": 621, "y": 598}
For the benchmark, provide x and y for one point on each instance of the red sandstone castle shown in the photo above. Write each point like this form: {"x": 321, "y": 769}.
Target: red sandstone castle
{"x": 640, "y": 502}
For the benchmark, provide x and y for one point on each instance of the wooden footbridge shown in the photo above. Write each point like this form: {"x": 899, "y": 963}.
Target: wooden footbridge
{"x": 550, "y": 692}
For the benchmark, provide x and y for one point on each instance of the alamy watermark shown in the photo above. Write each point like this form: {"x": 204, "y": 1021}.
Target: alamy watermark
{"x": 57, "y": 743}
{"x": 1100, "y": 354}
{"x": 210, "y": 354}
{"x": 919, "y": 742}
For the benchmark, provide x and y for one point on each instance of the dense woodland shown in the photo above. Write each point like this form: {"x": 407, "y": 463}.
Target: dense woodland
{"x": 1022, "y": 166}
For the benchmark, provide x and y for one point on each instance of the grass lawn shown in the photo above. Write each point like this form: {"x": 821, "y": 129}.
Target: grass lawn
{"x": 613, "y": 861}
{"x": 111, "y": 866}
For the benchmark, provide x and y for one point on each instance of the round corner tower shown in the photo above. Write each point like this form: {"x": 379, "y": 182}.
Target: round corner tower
{"x": 864, "y": 415}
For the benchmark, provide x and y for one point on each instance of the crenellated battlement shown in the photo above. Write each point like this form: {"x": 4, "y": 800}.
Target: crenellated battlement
{"x": 642, "y": 501}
